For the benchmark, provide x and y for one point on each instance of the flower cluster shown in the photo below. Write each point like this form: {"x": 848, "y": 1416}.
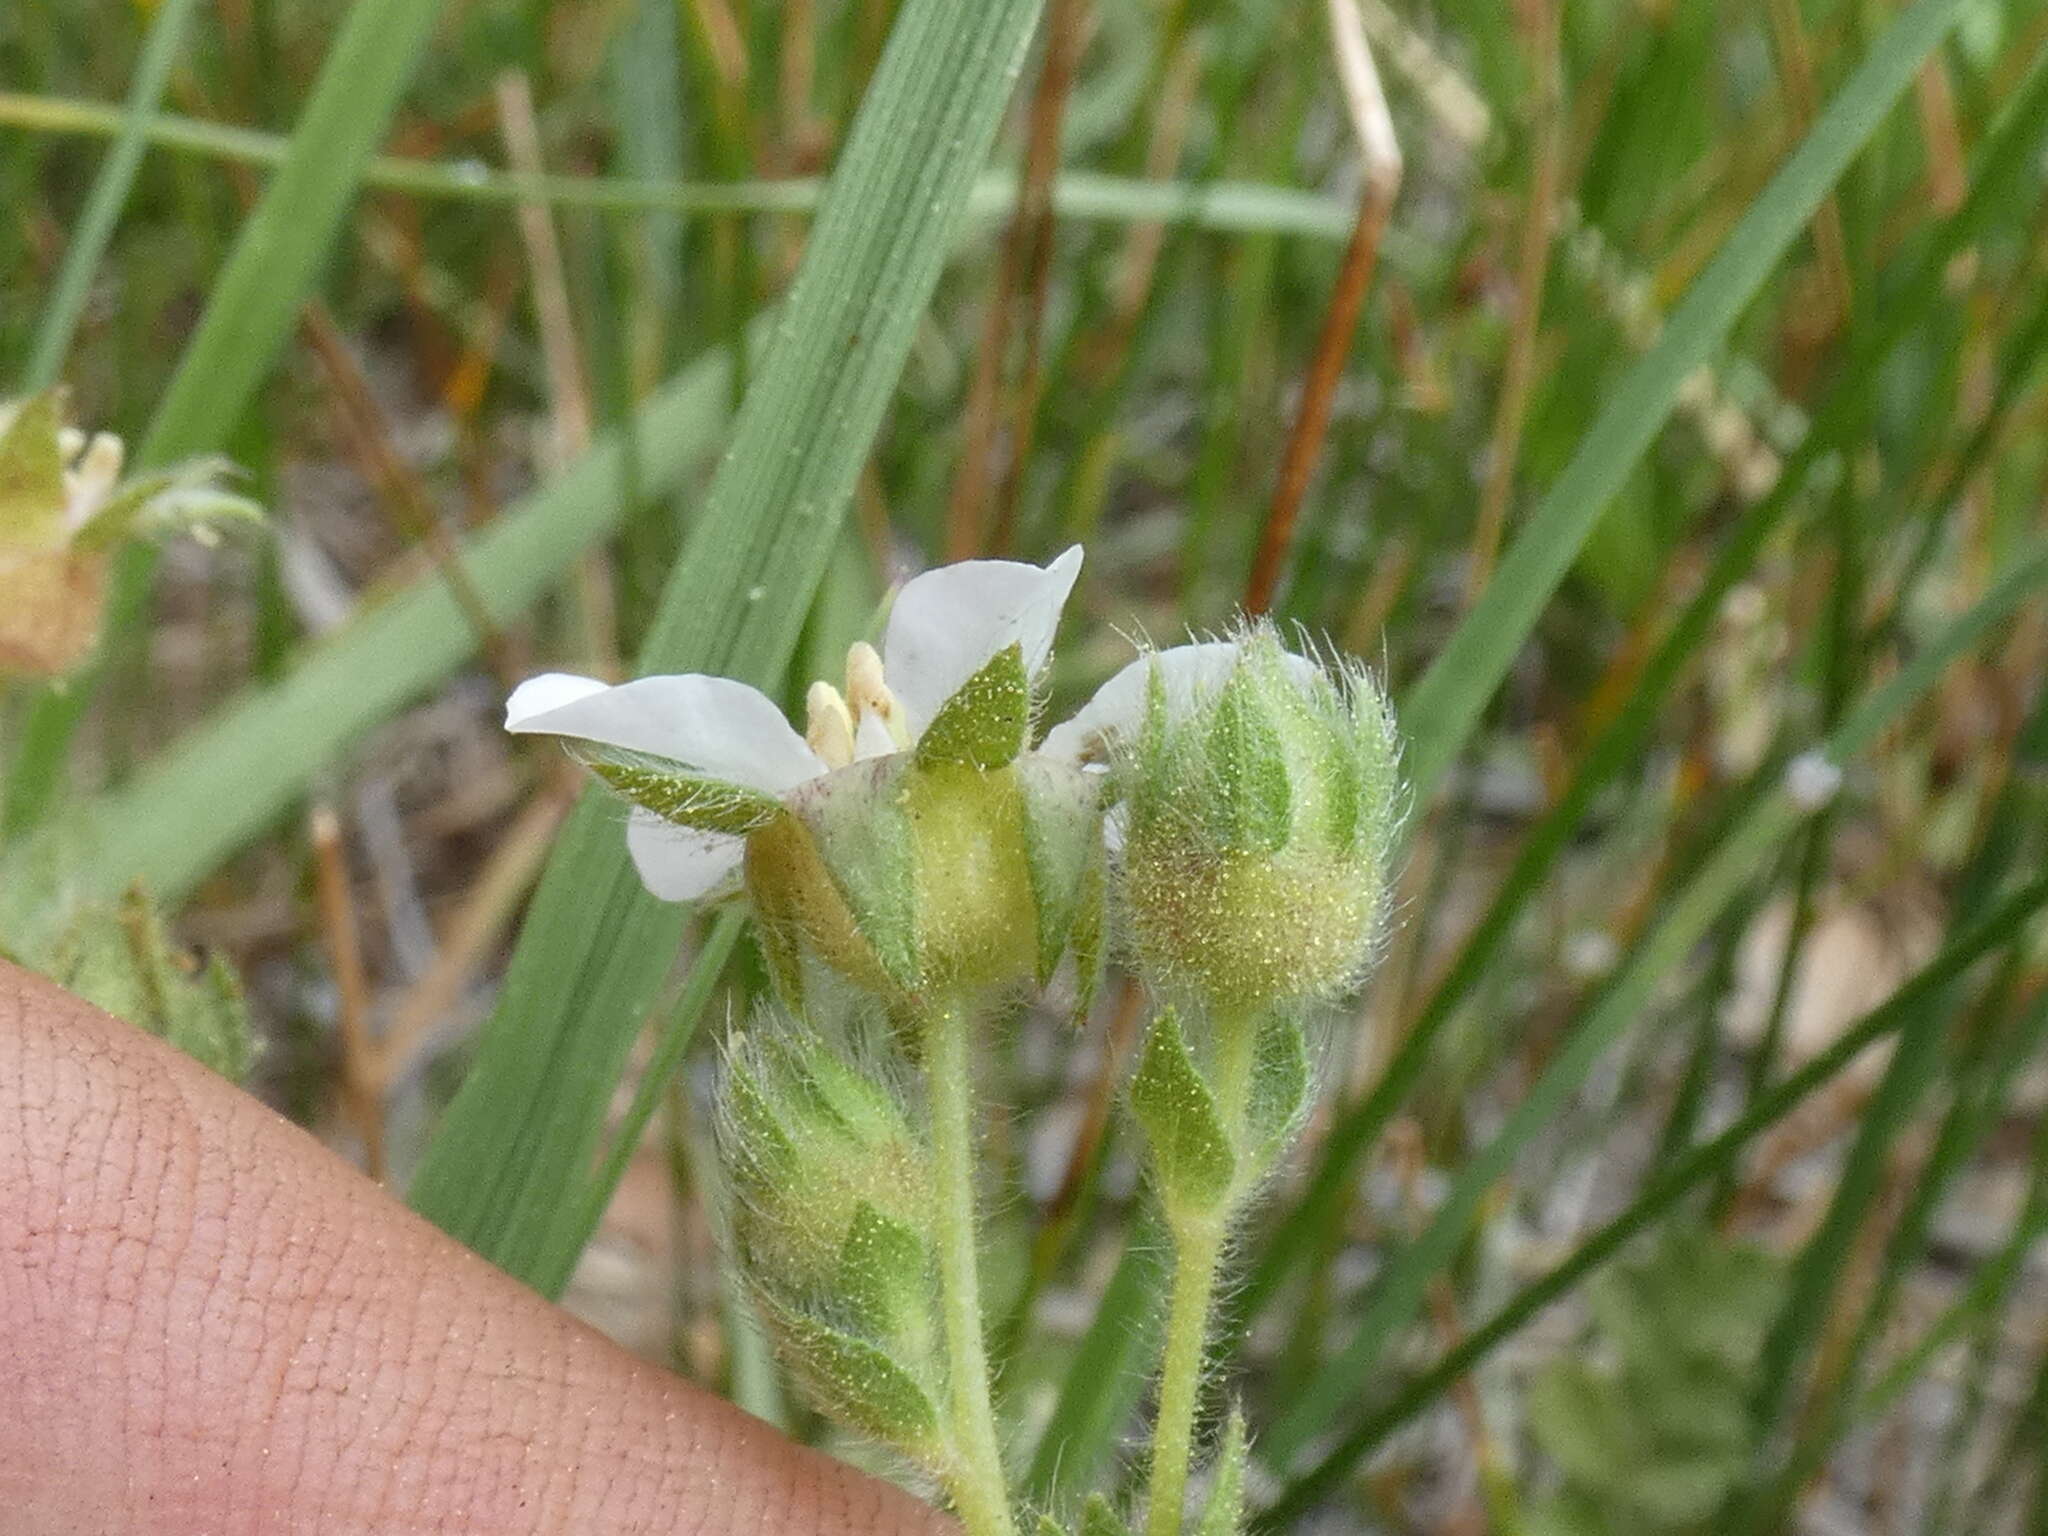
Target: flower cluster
{"x": 1222, "y": 811}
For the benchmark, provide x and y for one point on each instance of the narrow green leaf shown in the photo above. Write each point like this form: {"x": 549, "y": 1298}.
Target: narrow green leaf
{"x": 1228, "y": 206}
{"x": 277, "y": 259}
{"x": 1443, "y": 707}
{"x": 595, "y": 946}
{"x": 984, "y": 725}
{"x": 1190, "y": 1147}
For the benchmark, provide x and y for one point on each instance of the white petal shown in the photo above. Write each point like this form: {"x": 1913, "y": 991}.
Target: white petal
{"x": 948, "y": 623}
{"x": 680, "y": 863}
{"x": 721, "y": 728}
{"x": 1190, "y": 673}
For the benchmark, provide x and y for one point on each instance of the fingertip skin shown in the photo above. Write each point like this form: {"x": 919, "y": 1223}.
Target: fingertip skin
{"x": 209, "y": 1326}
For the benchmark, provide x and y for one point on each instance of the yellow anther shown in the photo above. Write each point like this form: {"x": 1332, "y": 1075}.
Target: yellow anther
{"x": 829, "y": 725}
{"x": 868, "y": 693}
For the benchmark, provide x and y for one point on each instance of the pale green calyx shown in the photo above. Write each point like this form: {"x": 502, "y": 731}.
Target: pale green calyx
{"x": 1258, "y": 813}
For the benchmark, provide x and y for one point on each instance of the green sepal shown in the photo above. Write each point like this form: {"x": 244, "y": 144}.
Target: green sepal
{"x": 1253, "y": 801}
{"x": 1089, "y": 942}
{"x": 1223, "y": 1514}
{"x": 884, "y": 1280}
{"x": 1099, "y": 1518}
{"x": 32, "y": 498}
{"x": 686, "y": 799}
{"x": 1281, "y": 1086}
{"x": 859, "y": 824}
{"x": 986, "y": 723}
{"x": 184, "y": 499}
{"x": 860, "y": 1384}
{"x": 1063, "y": 849}
{"x": 122, "y": 960}
{"x": 1047, "y": 1526}
{"x": 765, "y": 1145}
{"x": 1190, "y": 1148}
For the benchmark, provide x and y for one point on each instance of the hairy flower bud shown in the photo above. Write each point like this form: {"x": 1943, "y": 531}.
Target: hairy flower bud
{"x": 833, "y": 1194}
{"x": 1258, "y": 817}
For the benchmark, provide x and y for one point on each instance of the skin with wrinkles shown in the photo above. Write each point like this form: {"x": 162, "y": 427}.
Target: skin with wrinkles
{"x": 210, "y": 1325}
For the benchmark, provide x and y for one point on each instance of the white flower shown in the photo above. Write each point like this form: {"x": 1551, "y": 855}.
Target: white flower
{"x": 946, "y": 625}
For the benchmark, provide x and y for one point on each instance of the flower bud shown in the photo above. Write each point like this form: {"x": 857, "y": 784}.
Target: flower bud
{"x": 808, "y": 1140}
{"x": 1258, "y": 821}
{"x": 832, "y": 1200}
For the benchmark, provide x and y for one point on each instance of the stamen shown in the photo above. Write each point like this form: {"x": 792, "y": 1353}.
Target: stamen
{"x": 868, "y": 693}
{"x": 829, "y": 725}
{"x": 88, "y": 485}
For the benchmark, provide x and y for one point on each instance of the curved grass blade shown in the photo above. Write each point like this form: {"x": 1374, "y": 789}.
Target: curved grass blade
{"x": 1243, "y": 207}
{"x": 595, "y": 948}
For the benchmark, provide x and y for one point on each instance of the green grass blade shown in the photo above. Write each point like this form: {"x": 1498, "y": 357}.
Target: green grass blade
{"x": 109, "y": 195}
{"x": 1628, "y": 994}
{"x": 1225, "y": 206}
{"x": 1107, "y": 1375}
{"x": 278, "y": 256}
{"x": 596, "y": 947}
{"x": 1444, "y": 705}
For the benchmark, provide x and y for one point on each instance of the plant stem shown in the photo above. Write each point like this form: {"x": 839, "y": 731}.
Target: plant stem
{"x": 975, "y": 1481}
{"x": 1198, "y": 1258}
{"x": 1198, "y": 1249}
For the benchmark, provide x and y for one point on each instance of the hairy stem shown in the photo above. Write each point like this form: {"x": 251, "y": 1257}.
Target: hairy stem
{"x": 975, "y": 1480}
{"x": 1198, "y": 1250}
{"x": 1197, "y": 1260}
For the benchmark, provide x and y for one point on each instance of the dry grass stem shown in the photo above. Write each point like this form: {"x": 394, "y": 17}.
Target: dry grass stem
{"x": 1381, "y": 156}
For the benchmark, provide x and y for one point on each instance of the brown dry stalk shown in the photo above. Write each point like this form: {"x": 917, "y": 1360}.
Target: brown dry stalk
{"x": 568, "y": 393}
{"x": 1795, "y": 64}
{"x": 1066, "y": 26}
{"x": 335, "y": 903}
{"x": 1381, "y": 154}
{"x": 1541, "y": 21}
{"x": 487, "y": 910}
{"x": 369, "y": 438}
{"x": 1025, "y": 257}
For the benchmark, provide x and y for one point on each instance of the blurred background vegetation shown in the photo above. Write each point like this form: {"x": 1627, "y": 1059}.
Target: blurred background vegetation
{"x": 1722, "y": 921}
